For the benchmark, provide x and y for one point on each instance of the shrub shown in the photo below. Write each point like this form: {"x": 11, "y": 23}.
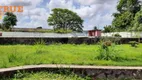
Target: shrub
{"x": 112, "y": 39}
{"x": 117, "y": 35}
{"x": 107, "y": 43}
{"x": 133, "y": 43}
{"x": 107, "y": 52}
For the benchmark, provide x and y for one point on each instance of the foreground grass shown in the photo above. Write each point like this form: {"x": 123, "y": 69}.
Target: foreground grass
{"x": 18, "y": 55}
{"x": 44, "y": 76}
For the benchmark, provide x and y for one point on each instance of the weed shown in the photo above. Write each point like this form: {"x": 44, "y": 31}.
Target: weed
{"x": 107, "y": 52}
{"x": 39, "y": 46}
{"x": 134, "y": 43}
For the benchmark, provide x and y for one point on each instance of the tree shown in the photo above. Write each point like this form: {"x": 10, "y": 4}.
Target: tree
{"x": 127, "y": 10}
{"x": 137, "y": 23}
{"x": 129, "y": 5}
{"x": 123, "y": 21}
{"x": 9, "y": 20}
{"x": 65, "y": 19}
{"x": 108, "y": 28}
{"x": 95, "y": 28}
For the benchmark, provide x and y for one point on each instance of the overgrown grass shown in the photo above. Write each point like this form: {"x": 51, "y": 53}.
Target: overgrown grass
{"x": 18, "y": 55}
{"x": 44, "y": 75}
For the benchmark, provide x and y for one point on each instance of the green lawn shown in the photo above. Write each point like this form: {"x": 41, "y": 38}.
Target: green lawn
{"x": 17, "y": 55}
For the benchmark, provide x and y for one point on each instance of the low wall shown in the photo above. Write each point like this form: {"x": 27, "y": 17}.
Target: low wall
{"x": 86, "y": 40}
{"x": 48, "y": 40}
{"x": 95, "y": 72}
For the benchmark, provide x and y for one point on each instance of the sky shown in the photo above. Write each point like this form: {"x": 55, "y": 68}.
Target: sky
{"x": 36, "y": 12}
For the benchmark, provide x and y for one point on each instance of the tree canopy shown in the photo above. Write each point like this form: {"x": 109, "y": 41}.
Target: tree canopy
{"x": 137, "y": 23}
{"x": 9, "y": 20}
{"x": 128, "y": 5}
{"x": 108, "y": 28}
{"x": 126, "y": 17}
{"x": 65, "y": 19}
{"x": 123, "y": 21}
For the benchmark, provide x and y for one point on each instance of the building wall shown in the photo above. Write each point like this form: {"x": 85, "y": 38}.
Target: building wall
{"x": 42, "y": 35}
{"x": 124, "y": 34}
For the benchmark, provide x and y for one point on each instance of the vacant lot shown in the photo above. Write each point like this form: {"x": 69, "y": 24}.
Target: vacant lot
{"x": 18, "y": 55}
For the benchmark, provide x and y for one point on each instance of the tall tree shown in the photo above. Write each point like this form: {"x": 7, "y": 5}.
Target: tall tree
{"x": 127, "y": 10}
{"x": 123, "y": 21}
{"x": 9, "y": 20}
{"x": 129, "y": 5}
{"x": 65, "y": 19}
{"x": 137, "y": 23}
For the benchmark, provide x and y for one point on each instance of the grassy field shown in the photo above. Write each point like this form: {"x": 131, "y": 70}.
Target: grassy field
{"x": 44, "y": 75}
{"x": 18, "y": 55}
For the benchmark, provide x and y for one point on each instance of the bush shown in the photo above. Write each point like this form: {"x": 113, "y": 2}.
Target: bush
{"x": 117, "y": 35}
{"x": 107, "y": 43}
{"x": 107, "y": 52}
{"x": 133, "y": 43}
{"x": 39, "y": 27}
{"x": 112, "y": 39}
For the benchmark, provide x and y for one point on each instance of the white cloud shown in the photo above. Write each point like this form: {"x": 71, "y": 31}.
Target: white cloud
{"x": 60, "y": 4}
{"x": 37, "y": 17}
{"x": 90, "y": 2}
{"x": 94, "y": 12}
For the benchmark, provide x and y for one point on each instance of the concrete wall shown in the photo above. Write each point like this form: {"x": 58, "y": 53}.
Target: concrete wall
{"x": 124, "y": 34}
{"x": 43, "y": 35}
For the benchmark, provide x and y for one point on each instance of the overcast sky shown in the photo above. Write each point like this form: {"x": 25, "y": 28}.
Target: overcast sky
{"x": 93, "y": 12}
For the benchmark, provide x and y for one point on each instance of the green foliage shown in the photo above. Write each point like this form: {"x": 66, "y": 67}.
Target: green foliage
{"x": 107, "y": 52}
{"x": 63, "y": 31}
{"x": 107, "y": 43}
{"x": 132, "y": 6}
{"x": 39, "y": 46}
{"x": 12, "y": 57}
{"x": 69, "y": 54}
{"x": 39, "y": 27}
{"x": 108, "y": 29}
{"x": 20, "y": 75}
{"x": 117, "y": 35}
{"x": 65, "y": 19}
{"x": 133, "y": 43}
{"x": 123, "y": 21}
{"x": 45, "y": 75}
{"x": 137, "y": 23}
{"x": 115, "y": 40}
{"x": 9, "y": 20}
{"x": 127, "y": 10}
